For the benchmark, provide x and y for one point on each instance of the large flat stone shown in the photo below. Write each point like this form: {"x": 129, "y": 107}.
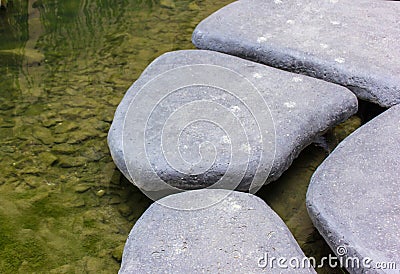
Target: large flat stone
{"x": 279, "y": 112}
{"x": 354, "y": 196}
{"x": 350, "y": 42}
{"x": 239, "y": 234}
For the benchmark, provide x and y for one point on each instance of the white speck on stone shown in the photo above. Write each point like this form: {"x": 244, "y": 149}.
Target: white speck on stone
{"x": 236, "y": 206}
{"x": 261, "y": 39}
{"x": 278, "y": 1}
{"x": 226, "y": 140}
{"x": 335, "y": 23}
{"x": 264, "y": 38}
{"x": 246, "y": 148}
{"x": 233, "y": 204}
{"x": 334, "y": 1}
{"x": 185, "y": 147}
{"x": 290, "y": 22}
{"x": 324, "y": 46}
{"x": 179, "y": 248}
{"x": 290, "y": 104}
{"x": 257, "y": 75}
{"x": 234, "y": 108}
{"x": 297, "y": 79}
{"x": 340, "y": 60}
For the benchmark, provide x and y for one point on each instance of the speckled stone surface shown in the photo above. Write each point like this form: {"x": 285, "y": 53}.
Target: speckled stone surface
{"x": 300, "y": 107}
{"x": 354, "y": 196}
{"x": 350, "y": 42}
{"x": 232, "y": 236}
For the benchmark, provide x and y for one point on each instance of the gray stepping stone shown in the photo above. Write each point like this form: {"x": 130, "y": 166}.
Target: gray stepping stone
{"x": 239, "y": 234}
{"x": 265, "y": 116}
{"x": 354, "y": 196}
{"x": 350, "y": 42}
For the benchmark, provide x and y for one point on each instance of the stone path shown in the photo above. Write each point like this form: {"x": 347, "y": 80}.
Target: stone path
{"x": 279, "y": 113}
{"x": 352, "y": 43}
{"x": 197, "y": 118}
{"x": 354, "y": 196}
{"x": 241, "y": 234}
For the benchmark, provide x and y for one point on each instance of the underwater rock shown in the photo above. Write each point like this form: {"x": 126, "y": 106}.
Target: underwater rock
{"x": 80, "y": 136}
{"x": 43, "y": 134}
{"x": 238, "y": 234}
{"x": 170, "y": 4}
{"x": 354, "y": 196}
{"x": 66, "y": 126}
{"x": 257, "y": 119}
{"x": 193, "y": 6}
{"x": 64, "y": 149}
{"x": 100, "y": 193}
{"x": 47, "y": 158}
{"x": 352, "y": 43}
{"x": 117, "y": 253}
{"x": 81, "y": 188}
{"x": 70, "y": 161}
{"x": 6, "y": 105}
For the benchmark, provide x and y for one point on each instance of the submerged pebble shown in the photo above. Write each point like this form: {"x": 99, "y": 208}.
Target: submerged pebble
{"x": 72, "y": 161}
{"x": 100, "y": 193}
{"x": 43, "y": 134}
{"x": 81, "y": 188}
{"x": 47, "y": 158}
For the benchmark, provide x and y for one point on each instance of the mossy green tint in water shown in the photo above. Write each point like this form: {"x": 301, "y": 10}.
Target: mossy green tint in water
{"x": 64, "y": 67}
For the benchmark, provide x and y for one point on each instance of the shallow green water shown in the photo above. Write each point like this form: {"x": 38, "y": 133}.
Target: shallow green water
{"x": 64, "y": 67}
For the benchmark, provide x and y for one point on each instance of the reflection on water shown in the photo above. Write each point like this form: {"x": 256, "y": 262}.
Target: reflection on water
{"x": 64, "y": 67}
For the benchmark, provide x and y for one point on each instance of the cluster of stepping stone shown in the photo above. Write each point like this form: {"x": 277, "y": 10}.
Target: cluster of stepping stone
{"x": 308, "y": 61}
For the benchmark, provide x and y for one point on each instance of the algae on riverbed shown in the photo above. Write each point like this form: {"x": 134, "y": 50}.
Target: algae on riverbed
{"x": 64, "y": 67}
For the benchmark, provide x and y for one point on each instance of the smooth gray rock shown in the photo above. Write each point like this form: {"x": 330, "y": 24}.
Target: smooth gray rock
{"x": 350, "y": 42}
{"x": 297, "y": 109}
{"x": 237, "y": 235}
{"x": 354, "y": 196}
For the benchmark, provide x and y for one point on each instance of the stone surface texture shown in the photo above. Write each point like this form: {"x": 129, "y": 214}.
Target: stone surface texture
{"x": 302, "y": 108}
{"x": 232, "y": 236}
{"x": 352, "y": 43}
{"x": 354, "y": 196}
